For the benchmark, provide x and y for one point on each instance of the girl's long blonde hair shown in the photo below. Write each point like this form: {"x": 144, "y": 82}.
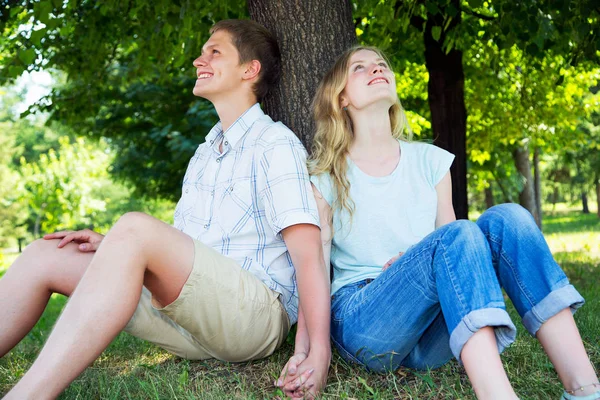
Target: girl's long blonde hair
{"x": 334, "y": 133}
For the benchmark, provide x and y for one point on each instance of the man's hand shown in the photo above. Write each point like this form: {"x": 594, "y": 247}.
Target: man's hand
{"x": 391, "y": 261}
{"x": 88, "y": 240}
{"x": 290, "y": 368}
{"x": 308, "y": 377}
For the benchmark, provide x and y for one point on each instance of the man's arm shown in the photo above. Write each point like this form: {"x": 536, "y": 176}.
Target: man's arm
{"x": 305, "y": 338}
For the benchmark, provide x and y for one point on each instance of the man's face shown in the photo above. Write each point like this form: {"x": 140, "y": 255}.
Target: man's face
{"x": 218, "y": 68}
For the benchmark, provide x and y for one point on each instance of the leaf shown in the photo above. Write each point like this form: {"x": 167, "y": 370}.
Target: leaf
{"x": 36, "y": 36}
{"x": 167, "y": 29}
{"x": 432, "y": 8}
{"x": 42, "y": 10}
{"x": 14, "y": 71}
{"x": 436, "y": 33}
{"x": 366, "y": 385}
{"x": 475, "y": 3}
{"x": 27, "y": 56}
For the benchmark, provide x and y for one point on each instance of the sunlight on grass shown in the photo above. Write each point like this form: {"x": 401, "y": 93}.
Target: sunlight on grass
{"x": 588, "y": 242}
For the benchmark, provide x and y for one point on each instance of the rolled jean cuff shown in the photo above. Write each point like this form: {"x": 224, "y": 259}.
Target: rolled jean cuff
{"x": 556, "y": 301}
{"x": 497, "y": 318}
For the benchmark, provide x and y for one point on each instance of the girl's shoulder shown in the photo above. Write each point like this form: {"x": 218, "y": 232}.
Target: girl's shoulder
{"x": 324, "y": 185}
{"x": 424, "y": 150}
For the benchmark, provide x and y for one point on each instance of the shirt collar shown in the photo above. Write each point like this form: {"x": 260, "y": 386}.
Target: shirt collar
{"x": 239, "y": 127}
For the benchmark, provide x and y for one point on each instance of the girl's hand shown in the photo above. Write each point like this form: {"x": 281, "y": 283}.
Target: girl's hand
{"x": 391, "y": 261}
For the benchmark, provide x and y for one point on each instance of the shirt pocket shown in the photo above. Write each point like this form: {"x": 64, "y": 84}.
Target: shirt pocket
{"x": 187, "y": 203}
{"x": 236, "y": 208}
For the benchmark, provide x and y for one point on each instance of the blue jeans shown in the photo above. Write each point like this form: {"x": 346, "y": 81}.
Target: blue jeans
{"x": 422, "y": 310}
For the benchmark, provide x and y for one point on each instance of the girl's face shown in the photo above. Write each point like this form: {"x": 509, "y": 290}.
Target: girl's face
{"x": 370, "y": 82}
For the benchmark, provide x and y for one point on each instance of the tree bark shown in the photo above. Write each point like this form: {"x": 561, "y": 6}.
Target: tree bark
{"x": 311, "y": 35}
{"x": 584, "y": 202}
{"x": 447, "y": 104}
{"x": 537, "y": 185}
{"x": 527, "y": 196}
{"x": 489, "y": 197}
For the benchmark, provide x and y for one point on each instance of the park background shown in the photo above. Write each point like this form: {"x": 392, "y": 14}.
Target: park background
{"x": 97, "y": 118}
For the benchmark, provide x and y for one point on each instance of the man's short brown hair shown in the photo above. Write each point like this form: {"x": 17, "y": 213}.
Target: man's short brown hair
{"x": 254, "y": 42}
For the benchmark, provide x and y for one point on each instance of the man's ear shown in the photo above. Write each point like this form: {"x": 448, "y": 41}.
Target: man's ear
{"x": 252, "y": 70}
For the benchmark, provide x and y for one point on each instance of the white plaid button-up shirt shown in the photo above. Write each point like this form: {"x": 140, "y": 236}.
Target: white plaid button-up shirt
{"x": 239, "y": 200}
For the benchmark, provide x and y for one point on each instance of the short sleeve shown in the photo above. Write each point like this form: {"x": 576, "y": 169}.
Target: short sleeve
{"x": 438, "y": 162}
{"x": 324, "y": 185}
{"x": 287, "y": 195}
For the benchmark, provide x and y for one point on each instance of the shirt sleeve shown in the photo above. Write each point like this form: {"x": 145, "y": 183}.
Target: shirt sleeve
{"x": 287, "y": 194}
{"x": 439, "y": 162}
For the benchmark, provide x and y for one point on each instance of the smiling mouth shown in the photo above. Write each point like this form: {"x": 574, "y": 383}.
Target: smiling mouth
{"x": 204, "y": 75}
{"x": 378, "y": 80}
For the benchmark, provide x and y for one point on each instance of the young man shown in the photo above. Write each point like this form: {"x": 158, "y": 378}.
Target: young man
{"x": 220, "y": 284}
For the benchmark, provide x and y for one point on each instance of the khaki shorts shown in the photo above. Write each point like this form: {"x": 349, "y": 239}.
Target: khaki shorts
{"x": 222, "y": 312}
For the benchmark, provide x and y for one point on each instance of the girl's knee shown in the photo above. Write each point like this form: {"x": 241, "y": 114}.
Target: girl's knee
{"x": 466, "y": 231}
{"x": 507, "y": 213}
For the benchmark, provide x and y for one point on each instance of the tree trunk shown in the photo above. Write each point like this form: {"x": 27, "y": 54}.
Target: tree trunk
{"x": 584, "y": 202}
{"x": 554, "y": 197}
{"x": 537, "y": 185}
{"x": 311, "y": 35}
{"x": 598, "y": 196}
{"x": 447, "y": 104}
{"x": 527, "y": 196}
{"x": 489, "y": 197}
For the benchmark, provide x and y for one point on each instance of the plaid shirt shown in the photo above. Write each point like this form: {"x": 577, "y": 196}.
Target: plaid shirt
{"x": 239, "y": 200}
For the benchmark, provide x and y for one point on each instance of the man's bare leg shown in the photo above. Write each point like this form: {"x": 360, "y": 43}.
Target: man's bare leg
{"x": 26, "y": 287}
{"x": 139, "y": 250}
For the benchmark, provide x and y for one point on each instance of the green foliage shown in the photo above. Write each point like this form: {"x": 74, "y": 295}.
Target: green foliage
{"x": 128, "y": 76}
{"x": 12, "y": 209}
{"x": 59, "y": 185}
{"x": 513, "y": 101}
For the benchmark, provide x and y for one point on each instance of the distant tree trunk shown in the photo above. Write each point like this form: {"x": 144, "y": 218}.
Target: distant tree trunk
{"x": 489, "y": 197}
{"x": 554, "y": 197}
{"x": 311, "y": 35}
{"x": 584, "y": 202}
{"x": 38, "y": 221}
{"x": 598, "y": 196}
{"x": 447, "y": 104}
{"x": 527, "y": 196}
{"x": 537, "y": 185}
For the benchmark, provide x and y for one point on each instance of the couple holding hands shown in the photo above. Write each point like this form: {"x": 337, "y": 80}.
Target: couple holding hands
{"x": 257, "y": 227}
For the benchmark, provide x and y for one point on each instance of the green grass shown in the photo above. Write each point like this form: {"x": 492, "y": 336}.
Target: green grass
{"x": 133, "y": 369}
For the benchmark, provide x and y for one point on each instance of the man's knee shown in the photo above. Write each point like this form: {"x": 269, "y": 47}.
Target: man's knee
{"x": 42, "y": 252}
{"x": 41, "y": 258}
{"x": 136, "y": 222}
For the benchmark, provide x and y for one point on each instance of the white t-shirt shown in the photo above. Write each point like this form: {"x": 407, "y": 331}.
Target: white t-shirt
{"x": 391, "y": 213}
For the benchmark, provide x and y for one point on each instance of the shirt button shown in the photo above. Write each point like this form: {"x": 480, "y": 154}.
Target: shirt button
{"x": 187, "y": 190}
{"x": 206, "y": 226}
{"x": 212, "y": 192}
{"x": 226, "y": 143}
{"x": 218, "y": 160}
